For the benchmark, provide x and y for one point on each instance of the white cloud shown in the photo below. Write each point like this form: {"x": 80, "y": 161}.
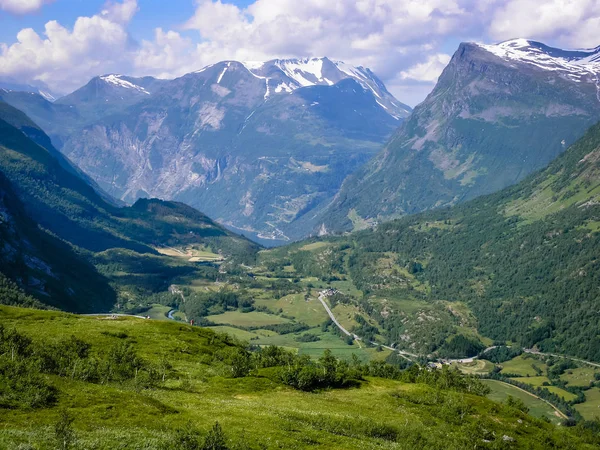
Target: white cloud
{"x": 570, "y": 22}
{"x": 428, "y": 71}
{"x": 22, "y": 6}
{"x": 65, "y": 59}
{"x": 401, "y": 40}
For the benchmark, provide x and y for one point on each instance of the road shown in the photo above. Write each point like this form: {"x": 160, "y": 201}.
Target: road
{"x": 357, "y": 338}
{"x": 463, "y": 360}
{"x": 332, "y": 317}
{"x": 533, "y": 352}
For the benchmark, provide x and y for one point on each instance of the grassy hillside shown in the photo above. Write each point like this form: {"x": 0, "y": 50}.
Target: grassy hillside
{"x": 133, "y": 383}
{"x": 519, "y": 266}
{"x": 57, "y": 199}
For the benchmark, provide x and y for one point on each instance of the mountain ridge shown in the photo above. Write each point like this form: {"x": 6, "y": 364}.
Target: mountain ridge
{"x": 488, "y": 123}
{"x": 227, "y": 128}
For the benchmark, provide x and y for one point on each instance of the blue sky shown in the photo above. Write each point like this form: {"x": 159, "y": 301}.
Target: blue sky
{"x": 406, "y": 42}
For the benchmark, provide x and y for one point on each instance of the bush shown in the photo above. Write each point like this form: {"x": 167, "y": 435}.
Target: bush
{"x": 64, "y": 433}
{"x": 215, "y": 439}
{"x": 517, "y": 403}
{"x": 308, "y": 337}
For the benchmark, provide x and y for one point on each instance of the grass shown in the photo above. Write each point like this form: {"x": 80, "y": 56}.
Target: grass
{"x": 255, "y": 411}
{"x": 345, "y": 315}
{"x": 314, "y": 246}
{"x": 561, "y": 393}
{"x": 477, "y": 367}
{"x": 582, "y": 376}
{"x": 590, "y": 409}
{"x": 310, "y": 312}
{"x": 250, "y": 319}
{"x": 545, "y": 201}
{"x": 521, "y": 365}
{"x": 158, "y": 312}
{"x": 537, "y": 408}
{"x": 533, "y": 381}
{"x": 190, "y": 253}
{"x": 358, "y": 223}
{"x": 235, "y": 332}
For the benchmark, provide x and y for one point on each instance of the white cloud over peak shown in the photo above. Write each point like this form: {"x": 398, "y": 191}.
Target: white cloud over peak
{"x": 570, "y": 22}
{"x": 428, "y": 71}
{"x": 400, "y": 40}
{"x": 22, "y": 6}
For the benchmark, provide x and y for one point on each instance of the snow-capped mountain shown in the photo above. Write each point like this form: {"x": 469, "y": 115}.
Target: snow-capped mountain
{"x": 258, "y": 146}
{"x": 497, "y": 113}
{"x": 122, "y": 82}
{"x": 11, "y": 85}
{"x": 112, "y": 88}
{"x": 287, "y": 75}
{"x": 577, "y": 65}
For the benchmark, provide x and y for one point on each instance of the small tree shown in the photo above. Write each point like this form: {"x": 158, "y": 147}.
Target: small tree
{"x": 517, "y": 403}
{"x": 187, "y": 438}
{"x": 215, "y": 439}
{"x": 63, "y": 430}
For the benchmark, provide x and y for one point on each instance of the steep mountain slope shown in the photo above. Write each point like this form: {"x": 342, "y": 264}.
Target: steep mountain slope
{"x": 57, "y": 121}
{"x": 65, "y": 204}
{"x": 524, "y": 260}
{"x": 21, "y": 121}
{"x": 43, "y": 265}
{"x": 497, "y": 113}
{"x": 15, "y": 85}
{"x": 257, "y": 145}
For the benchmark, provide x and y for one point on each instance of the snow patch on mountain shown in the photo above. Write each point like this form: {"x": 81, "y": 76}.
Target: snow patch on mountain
{"x": 305, "y": 72}
{"x": 118, "y": 81}
{"x": 223, "y": 73}
{"x": 577, "y": 65}
{"x": 48, "y": 96}
{"x": 578, "y": 62}
{"x": 284, "y": 87}
{"x": 292, "y": 74}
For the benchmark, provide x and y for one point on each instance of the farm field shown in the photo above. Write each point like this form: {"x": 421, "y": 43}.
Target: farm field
{"x": 533, "y": 381}
{"x": 537, "y": 408}
{"x": 581, "y": 376}
{"x": 568, "y": 396}
{"x": 310, "y": 312}
{"x": 590, "y": 409}
{"x": 191, "y": 254}
{"x": 250, "y": 319}
{"x": 158, "y": 312}
{"x": 522, "y": 366}
{"x": 477, "y": 367}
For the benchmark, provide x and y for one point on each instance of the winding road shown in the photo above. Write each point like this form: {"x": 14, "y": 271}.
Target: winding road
{"x": 402, "y": 353}
{"x": 405, "y": 354}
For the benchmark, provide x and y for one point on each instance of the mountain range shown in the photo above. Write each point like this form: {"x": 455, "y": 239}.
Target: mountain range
{"x": 496, "y": 114}
{"x": 258, "y": 146}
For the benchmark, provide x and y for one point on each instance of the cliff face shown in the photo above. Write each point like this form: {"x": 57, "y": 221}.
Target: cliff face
{"x": 496, "y": 114}
{"x": 259, "y": 147}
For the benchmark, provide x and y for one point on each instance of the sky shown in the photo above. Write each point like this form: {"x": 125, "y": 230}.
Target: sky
{"x": 62, "y": 44}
